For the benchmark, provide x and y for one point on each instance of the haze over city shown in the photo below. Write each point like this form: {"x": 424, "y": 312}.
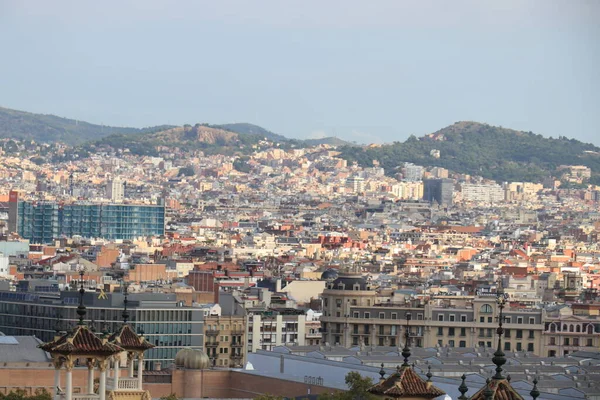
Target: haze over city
{"x": 361, "y": 71}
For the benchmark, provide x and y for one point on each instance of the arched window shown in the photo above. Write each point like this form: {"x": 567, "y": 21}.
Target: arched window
{"x": 578, "y": 328}
{"x": 590, "y": 329}
{"x": 486, "y": 309}
{"x": 571, "y": 328}
{"x": 552, "y": 328}
{"x": 565, "y": 329}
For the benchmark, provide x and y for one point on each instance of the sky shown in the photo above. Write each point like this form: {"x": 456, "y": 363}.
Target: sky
{"x": 365, "y": 71}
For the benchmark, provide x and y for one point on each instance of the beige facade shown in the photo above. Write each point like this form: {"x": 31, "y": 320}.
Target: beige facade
{"x": 359, "y": 317}
{"x": 225, "y": 340}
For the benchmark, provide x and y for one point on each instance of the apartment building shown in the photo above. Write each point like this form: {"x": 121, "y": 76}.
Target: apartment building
{"x": 565, "y": 333}
{"x": 354, "y": 314}
{"x": 225, "y": 341}
{"x": 283, "y": 327}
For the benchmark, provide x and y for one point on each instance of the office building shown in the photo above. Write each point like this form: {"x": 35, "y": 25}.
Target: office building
{"x": 43, "y": 222}
{"x": 268, "y": 329}
{"x": 165, "y": 322}
{"x": 439, "y": 191}
{"x": 412, "y": 172}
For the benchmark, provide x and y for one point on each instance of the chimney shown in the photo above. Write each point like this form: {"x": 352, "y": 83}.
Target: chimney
{"x": 157, "y": 366}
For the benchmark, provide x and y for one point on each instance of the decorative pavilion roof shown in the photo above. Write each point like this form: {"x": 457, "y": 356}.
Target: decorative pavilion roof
{"x": 406, "y": 383}
{"x": 501, "y": 389}
{"x": 129, "y": 340}
{"x": 81, "y": 342}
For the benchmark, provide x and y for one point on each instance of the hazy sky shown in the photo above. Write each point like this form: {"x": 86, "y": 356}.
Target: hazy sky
{"x": 369, "y": 71}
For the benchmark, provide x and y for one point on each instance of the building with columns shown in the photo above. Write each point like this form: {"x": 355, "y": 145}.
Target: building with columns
{"x": 100, "y": 352}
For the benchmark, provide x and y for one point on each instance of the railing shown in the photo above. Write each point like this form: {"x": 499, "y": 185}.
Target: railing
{"x": 211, "y": 344}
{"x": 124, "y": 384}
{"x": 212, "y": 332}
{"x": 237, "y": 344}
{"x": 81, "y": 396}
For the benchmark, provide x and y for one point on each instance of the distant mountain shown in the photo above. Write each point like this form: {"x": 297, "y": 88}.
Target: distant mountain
{"x": 50, "y": 128}
{"x": 250, "y": 129}
{"x": 330, "y": 140}
{"x": 480, "y": 149}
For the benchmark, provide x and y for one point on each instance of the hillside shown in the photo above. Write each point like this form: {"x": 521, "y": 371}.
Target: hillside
{"x": 50, "y": 128}
{"x": 250, "y": 129}
{"x": 207, "y": 138}
{"x": 480, "y": 149}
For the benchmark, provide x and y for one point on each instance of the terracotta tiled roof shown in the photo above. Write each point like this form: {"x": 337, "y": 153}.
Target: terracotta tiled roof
{"x": 129, "y": 340}
{"x": 502, "y": 391}
{"x": 81, "y": 342}
{"x": 406, "y": 383}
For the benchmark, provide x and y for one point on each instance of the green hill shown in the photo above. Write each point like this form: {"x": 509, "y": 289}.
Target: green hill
{"x": 50, "y": 128}
{"x": 480, "y": 149}
{"x": 250, "y": 129}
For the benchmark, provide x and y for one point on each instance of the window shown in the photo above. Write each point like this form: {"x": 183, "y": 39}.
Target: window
{"x": 567, "y": 342}
{"x": 531, "y": 320}
{"x": 366, "y": 341}
{"x": 338, "y": 304}
{"x": 552, "y": 341}
{"x": 420, "y": 316}
{"x": 440, "y": 331}
{"x": 507, "y": 333}
{"x": 481, "y": 344}
{"x": 462, "y": 343}
{"x": 440, "y": 343}
{"x": 519, "y": 346}
{"x": 576, "y": 342}
{"x": 530, "y": 347}
{"x": 519, "y": 320}
{"x": 440, "y": 317}
{"x": 519, "y": 334}
{"x": 381, "y": 315}
{"x": 355, "y": 341}
{"x": 394, "y": 315}
{"x": 367, "y": 329}
{"x": 552, "y": 353}
{"x": 481, "y": 332}
{"x": 531, "y": 334}
{"x": 463, "y": 331}
{"x": 490, "y": 320}
{"x": 338, "y": 314}
{"x": 451, "y": 317}
{"x": 381, "y": 341}
{"x": 451, "y": 343}
{"x": 486, "y": 309}
{"x": 355, "y": 314}
{"x": 367, "y": 315}
{"x": 393, "y": 342}
{"x": 481, "y": 319}
{"x": 507, "y": 319}
{"x": 507, "y": 346}
{"x": 353, "y": 302}
{"x": 381, "y": 328}
{"x": 463, "y": 318}
{"x": 589, "y": 343}
{"x": 451, "y": 332}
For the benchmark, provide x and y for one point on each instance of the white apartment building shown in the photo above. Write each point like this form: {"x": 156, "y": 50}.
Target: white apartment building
{"x": 269, "y": 329}
{"x": 482, "y": 192}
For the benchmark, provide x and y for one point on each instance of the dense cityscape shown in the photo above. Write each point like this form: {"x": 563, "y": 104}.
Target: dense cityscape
{"x": 303, "y": 258}
{"x": 299, "y": 200}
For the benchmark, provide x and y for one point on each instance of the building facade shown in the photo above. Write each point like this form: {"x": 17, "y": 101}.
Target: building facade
{"x": 225, "y": 340}
{"x": 267, "y": 329}
{"x": 167, "y": 325}
{"x": 355, "y": 315}
{"x": 43, "y": 222}
{"x": 438, "y": 190}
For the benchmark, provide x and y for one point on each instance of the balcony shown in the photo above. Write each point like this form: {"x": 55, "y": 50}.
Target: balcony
{"x": 81, "y": 396}
{"x": 124, "y": 384}
{"x": 236, "y": 356}
{"x": 237, "y": 344}
{"x": 211, "y": 344}
{"x": 212, "y": 332}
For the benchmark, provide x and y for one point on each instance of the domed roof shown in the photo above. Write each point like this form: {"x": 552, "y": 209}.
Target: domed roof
{"x": 192, "y": 359}
{"x": 180, "y": 356}
{"x": 329, "y": 274}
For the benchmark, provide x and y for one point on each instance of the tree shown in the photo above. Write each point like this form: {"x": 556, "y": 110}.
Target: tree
{"x": 268, "y": 397}
{"x": 357, "y": 389}
{"x": 172, "y": 396}
{"x": 20, "y": 394}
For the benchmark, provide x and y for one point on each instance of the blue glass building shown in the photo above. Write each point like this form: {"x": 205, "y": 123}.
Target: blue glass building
{"x": 43, "y": 222}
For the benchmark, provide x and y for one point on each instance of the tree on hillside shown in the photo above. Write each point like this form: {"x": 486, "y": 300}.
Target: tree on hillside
{"x": 20, "y": 394}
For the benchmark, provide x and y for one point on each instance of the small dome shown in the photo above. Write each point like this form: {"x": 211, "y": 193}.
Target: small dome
{"x": 196, "y": 359}
{"x": 329, "y": 275}
{"x": 180, "y": 356}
